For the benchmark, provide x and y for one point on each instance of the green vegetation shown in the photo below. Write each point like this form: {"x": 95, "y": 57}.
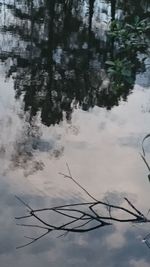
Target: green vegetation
{"x": 60, "y": 60}
{"x": 128, "y": 39}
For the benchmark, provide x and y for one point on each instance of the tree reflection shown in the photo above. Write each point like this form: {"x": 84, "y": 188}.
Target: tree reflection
{"x": 59, "y": 62}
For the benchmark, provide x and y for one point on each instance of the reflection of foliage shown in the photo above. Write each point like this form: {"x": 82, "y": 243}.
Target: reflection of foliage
{"x": 139, "y": 26}
{"x": 128, "y": 40}
{"x": 59, "y": 63}
{"x": 24, "y": 150}
{"x": 29, "y": 145}
{"x": 130, "y": 36}
{"x": 120, "y": 71}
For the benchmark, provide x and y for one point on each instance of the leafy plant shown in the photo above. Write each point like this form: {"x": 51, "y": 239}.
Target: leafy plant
{"x": 129, "y": 36}
{"x": 128, "y": 40}
{"x": 120, "y": 72}
{"x": 138, "y": 26}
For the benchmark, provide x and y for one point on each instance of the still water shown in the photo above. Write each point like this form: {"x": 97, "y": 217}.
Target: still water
{"x": 75, "y": 89}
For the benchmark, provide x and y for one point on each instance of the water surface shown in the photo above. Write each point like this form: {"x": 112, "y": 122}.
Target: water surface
{"x": 59, "y": 104}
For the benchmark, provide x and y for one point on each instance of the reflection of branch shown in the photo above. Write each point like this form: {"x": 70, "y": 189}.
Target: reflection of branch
{"x": 132, "y": 206}
{"x": 146, "y": 240}
{"x": 33, "y": 239}
{"x": 82, "y": 217}
{"x": 77, "y": 183}
{"x": 143, "y": 155}
{"x": 145, "y": 161}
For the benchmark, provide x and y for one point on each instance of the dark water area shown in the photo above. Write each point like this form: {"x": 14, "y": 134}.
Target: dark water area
{"x": 75, "y": 89}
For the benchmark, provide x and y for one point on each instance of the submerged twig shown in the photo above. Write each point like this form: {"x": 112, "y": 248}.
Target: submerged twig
{"x": 145, "y": 161}
{"x": 83, "y": 213}
{"x": 77, "y": 183}
{"x": 143, "y": 156}
{"x": 33, "y": 240}
{"x": 143, "y": 150}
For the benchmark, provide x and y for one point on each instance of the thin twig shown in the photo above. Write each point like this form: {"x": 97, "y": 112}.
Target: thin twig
{"x": 145, "y": 161}
{"x": 79, "y": 215}
{"x": 77, "y": 183}
{"x": 25, "y": 204}
{"x": 33, "y": 240}
{"x": 32, "y": 225}
{"x": 132, "y": 206}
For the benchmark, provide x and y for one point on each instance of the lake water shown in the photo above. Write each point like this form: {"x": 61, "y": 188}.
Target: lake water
{"x": 73, "y": 92}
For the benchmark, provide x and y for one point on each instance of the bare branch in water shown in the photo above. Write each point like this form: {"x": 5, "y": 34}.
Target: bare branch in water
{"x": 83, "y": 213}
{"x": 143, "y": 155}
{"x": 33, "y": 240}
{"x": 77, "y": 183}
{"x": 145, "y": 161}
{"x": 143, "y": 150}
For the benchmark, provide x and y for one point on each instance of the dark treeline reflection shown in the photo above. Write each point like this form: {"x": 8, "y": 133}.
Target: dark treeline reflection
{"x": 73, "y": 53}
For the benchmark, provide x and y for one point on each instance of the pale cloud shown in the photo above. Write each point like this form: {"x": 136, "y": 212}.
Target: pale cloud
{"x": 116, "y": 240}
{"x": 139, "y": 263}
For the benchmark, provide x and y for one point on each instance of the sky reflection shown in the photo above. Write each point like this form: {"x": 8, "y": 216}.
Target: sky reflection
{"x": 100, "y": 146}
{"x": 102, "y": 149}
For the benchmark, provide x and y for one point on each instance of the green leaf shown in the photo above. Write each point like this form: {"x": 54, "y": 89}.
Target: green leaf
{"x": 129, "y": 26}
{"x": 111, "y": 71}
{"x": 109, "y": 62}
